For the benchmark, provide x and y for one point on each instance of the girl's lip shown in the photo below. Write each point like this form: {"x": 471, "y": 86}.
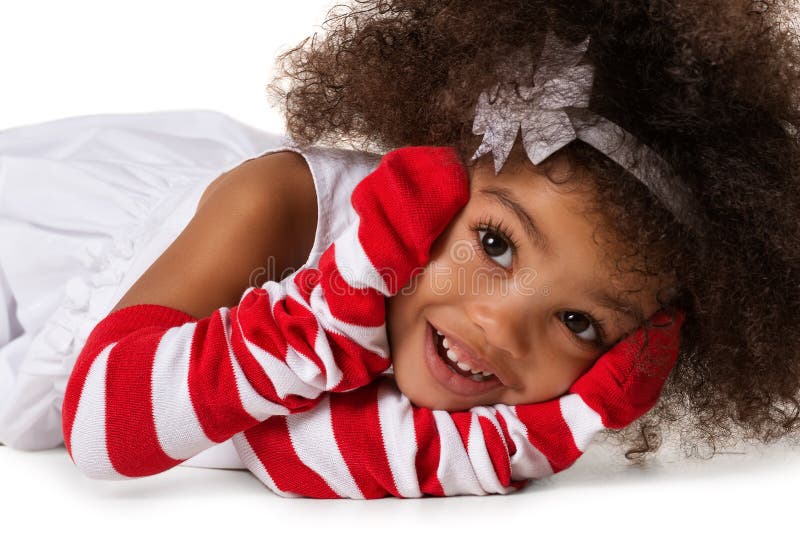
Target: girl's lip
{"x": 448, "y": 378}
{"x": 468, "y": 355}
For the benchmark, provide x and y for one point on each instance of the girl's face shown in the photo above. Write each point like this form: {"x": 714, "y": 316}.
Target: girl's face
{"x": 515, "y": 283}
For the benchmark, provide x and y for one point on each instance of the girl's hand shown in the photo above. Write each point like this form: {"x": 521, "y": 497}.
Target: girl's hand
{"x": 398, "y": 212}
{"x": 621, "y": 386}
{"x": 377, "y": 443}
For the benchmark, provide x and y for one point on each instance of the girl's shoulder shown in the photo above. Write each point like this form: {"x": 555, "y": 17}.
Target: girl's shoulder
{"x": 331, "y": 174}
{"x": 264, "y": 218}
{"x": 256, "y": 223}
{"x": 256, "y": 181}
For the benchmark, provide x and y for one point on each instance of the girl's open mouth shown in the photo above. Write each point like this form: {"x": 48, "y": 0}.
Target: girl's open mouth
{"x": 447, "y": 372}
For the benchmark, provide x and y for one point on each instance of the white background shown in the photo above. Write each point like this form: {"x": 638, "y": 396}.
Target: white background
{"x": 66, "y": 58}
{"x": 79, "y": 57}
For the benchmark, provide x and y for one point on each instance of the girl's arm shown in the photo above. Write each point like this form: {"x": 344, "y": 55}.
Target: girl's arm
{"x": 153, "y": 386}
{"x": 373, "y": 442}
{"x": 252, "y": 224}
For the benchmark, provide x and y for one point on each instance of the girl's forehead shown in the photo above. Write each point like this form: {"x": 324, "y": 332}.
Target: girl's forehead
{"x": 553, "y": 180}
{"x": 560, "y": 206}
{"x": 552, "y": 215}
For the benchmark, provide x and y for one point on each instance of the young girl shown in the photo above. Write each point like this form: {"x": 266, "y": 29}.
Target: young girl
{"x": 710, "y": 86}
{"x": 438, "y": 49}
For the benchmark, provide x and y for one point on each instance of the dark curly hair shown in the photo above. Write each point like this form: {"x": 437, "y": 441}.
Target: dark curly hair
{"x": 708, "y": 84}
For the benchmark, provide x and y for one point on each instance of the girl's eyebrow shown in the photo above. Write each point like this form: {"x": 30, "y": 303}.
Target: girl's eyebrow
{"x": 609, "y": 301}
{"x": 507, "y": 199}
{"x": 539, "y": 239}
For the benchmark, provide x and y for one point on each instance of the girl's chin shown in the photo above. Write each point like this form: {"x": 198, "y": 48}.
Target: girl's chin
{"x": 434, "y": 403}
{"x": 427, "y": 396}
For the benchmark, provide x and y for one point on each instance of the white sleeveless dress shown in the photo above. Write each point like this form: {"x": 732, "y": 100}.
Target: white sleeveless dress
{"x": 87, "y": 204}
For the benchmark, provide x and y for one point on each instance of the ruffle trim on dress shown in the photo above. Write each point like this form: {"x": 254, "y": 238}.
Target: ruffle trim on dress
{"x": 86, "y": 299}
{"x": 87, "y": 296}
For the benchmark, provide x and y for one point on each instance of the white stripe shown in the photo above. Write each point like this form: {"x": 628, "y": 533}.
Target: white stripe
{"x": 88, "y": 435}
{"x": 353, "y": 263}
{"x": 177, "y": 427}
{"x": 291, "y": 289}
{"x": 396, "y": 419}
{"x": 312, "y": 437}
{"x": 298, "y": 362}
{"x": 527, "y": 461}
{"x": 490, "y": 413}
{"x": 372, "y": 338}
{"x": 479, "y": 457}
{"x": 253, "y": 464}
{"x": 283, "y": 378}
{"x": 253, "y": 403}
{"x": 582, "y": 421}
{"x": 308, "y": 370}
{"x": 455, "y": 471}
{"x": 479, "y": 451}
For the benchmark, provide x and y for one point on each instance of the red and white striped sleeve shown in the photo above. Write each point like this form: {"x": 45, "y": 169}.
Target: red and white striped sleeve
{"x": 372, "y": 442}
{"x": 154, "y": 386}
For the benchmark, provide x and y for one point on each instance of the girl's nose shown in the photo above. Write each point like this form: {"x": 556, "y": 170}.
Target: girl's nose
{"x": 505, "y": 323}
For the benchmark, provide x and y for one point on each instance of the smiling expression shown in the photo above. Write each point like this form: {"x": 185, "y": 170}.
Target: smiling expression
{"x": 523, "y": 291}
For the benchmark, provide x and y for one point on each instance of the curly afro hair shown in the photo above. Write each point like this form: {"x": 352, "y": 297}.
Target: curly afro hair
{"x": 708, "y": 84}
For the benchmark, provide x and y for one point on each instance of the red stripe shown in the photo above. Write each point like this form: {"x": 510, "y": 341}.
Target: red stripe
{"x": 357, "y": 429}
{"x": 212, "y": 383}
{"x": 462, "y": 422}
{"x": 299, "y": 326}
{"x": 262, "y": 331}
{"x": 358, "y": 365}
{"x": 110, "y": 329}
{"x": 256, "y": 311}
{"x": 305, "y": 281}
{"x": 133, "y": 446}
{"x": 512, "y": 448}
{"x": 271, "y": 442}
{"x": 626, "y": 381}
{"x": 519, "y": 484}
{"x": 428, "y": 452}
{"x": 356, "y": 305}
{"x": 549, "y": 433}
{"x": 497, "y": 450}
{"x": 406, "y": 209}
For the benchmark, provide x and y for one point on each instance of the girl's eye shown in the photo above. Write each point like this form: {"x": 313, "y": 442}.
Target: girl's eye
{"x": 580, "y": 322}
{"x": 496, "y": 247}
{"x": 496, "y": 244}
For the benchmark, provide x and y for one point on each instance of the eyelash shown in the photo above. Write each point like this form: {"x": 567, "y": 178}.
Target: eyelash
{"x": 487, "y": 224}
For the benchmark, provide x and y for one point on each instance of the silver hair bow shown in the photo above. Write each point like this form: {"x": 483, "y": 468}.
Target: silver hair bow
{"x": 554, "y": 112}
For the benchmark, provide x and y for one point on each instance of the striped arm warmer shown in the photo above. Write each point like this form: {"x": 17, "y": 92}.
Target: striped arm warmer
{"x": 154, "y": 386}
{"x": 373, "y": 442}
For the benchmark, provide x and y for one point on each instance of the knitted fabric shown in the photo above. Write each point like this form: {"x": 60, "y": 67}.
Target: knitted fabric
{"x": 292, "y": 373}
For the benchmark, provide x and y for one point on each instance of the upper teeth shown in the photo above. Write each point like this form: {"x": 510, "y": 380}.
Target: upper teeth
{"x": 454, "y": 358}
